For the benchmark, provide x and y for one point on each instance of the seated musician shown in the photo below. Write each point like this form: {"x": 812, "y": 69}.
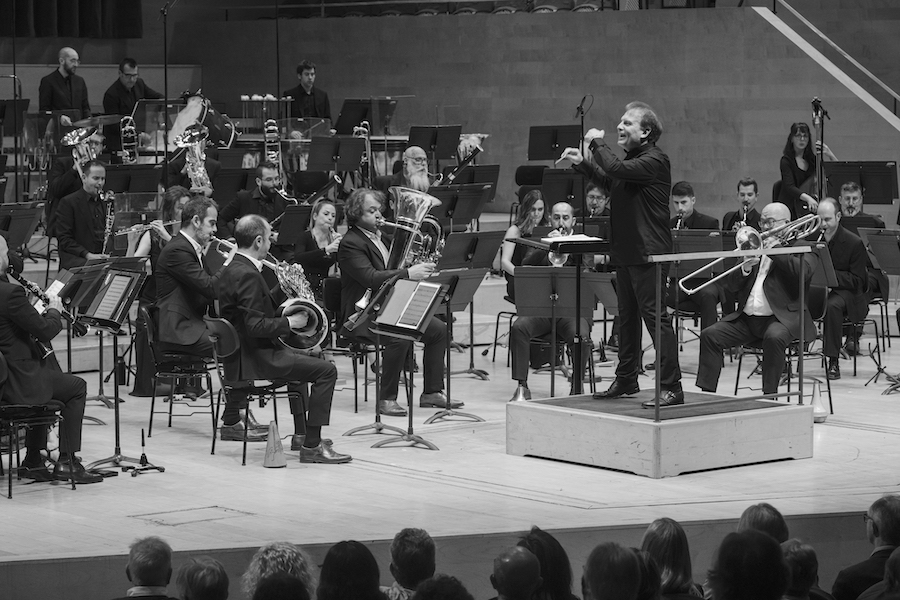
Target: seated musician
{"x": 64, "y": 178}
{"x": 746, "y": 214}
{"x": 531, "y": 214}
{"x": 184, "y": 293}
{"x": 706, "y": 299}
{"x": 246, "y": 302}
{"x": 81, "y": 220}
{"x": 769, "y": 310}
{"x": 363, "y": 260}
{"x": 316, "y": 249}
{"x": 413, "y": 174}
{"x": 264, "y": 201}
{"x": 848, "y": 298}
{"x": 35, "y": 380}
{"x": 562, "y": 219}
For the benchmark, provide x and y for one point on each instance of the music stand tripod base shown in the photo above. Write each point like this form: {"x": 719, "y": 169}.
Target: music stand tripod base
{"x": 449, "y": 412}
{"x": 377, "y": 427}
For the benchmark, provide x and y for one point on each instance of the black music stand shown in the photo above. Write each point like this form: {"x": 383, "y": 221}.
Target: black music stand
{"x": 853, "y": 224}
{"x": 564, "y": 185}
{"x": 555, "y": 288}
{"x": 438, "y": 141}
{"x": 18, "y": 221}
{"x": 694, "y": 240}
{"x": 338, "y": 153}
{"x": 878, "y": 179}
{"x": 477, "y": 174}
{"x": 884, "y": 249}
{"x": 378, "y": 111}
{"x": 460, "y": 204}
{"x": 294, "y": 223}
{"x": 546, "y": 142}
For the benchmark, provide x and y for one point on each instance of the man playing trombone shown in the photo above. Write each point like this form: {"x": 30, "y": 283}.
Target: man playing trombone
{"x": 770, "y": 312}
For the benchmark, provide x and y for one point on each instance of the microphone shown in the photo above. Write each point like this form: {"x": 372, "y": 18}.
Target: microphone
{"x": 579, "y": 110}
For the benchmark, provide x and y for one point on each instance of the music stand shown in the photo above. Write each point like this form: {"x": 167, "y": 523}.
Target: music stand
{"x": 878, "y": 179}
{"x": 459, "y": 203}
{"x": 294, "y": 223}
{"x": 338, "y": 153}
{"x": 883, "y": 246}
{"x": 564, "y": 185}
{"x": 18, "y": 221}
{"x": 546, "y": 142}
{"x": 438, "y": 141}
{"x": 477, "y": 174}
{"x": 555, "y": 288}
{"x": 823, "y": 275}
{"x": 853, "y": 224}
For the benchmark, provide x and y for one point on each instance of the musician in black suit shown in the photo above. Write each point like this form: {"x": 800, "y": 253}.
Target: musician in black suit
{"x": 852, "y": 206}
{"x": 264, "y": 201}
{"x": 362, "y": 257}
{"x": 64, "y": 90}
{"x": 706, "y": 299}
{"x": 848, "y": 298}
{"x": 769, "y": 300}
{"x": 81, "y": 219}
{"x": 63, "y": 179}
{"x": 309, "y": 101}
{"x": 747, "y": 196}
{"x": 121, "y": 97}
{"x": 247, "y": 304}
{"x": 35, "y": 380}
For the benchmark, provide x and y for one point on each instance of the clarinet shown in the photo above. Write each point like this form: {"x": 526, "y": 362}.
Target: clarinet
{"x": 78, "y": 328}
{"x": 109, "y": 198}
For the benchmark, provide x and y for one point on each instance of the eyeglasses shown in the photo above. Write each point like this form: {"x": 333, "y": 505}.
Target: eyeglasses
{"x": 596, "y": 197}
{"x": 419, "y": 160}
{"x": 771, "y": 222}
{"x": 867, "y": 518}
{"x": 801, "y": 135}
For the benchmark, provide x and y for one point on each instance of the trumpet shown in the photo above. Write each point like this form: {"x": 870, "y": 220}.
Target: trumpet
{"x": 142, "y": 227}
{"x": 748, "y": 238}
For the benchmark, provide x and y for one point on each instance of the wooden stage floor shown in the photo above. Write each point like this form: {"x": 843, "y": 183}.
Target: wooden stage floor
{"x": 470, "y": 488}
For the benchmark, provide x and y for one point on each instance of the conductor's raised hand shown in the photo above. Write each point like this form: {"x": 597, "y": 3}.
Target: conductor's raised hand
{"x": 572, "y": 154}
{"x": 592, "y": 134}
{"x": 421, "y": 271}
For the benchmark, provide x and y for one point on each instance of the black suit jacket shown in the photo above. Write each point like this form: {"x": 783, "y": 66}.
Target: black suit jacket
{"x": 314, "y": 260}
{"x": 184, "y": 292}
{"x": 781, "y": 290}
{"x": 20, "y": 324}
{"x": 245, "y": 301}
{"x": 362, "y": 268}
{"x": 118, "y": 100}
{"x": 734, "y": 216}
{"x": 80, "y": 227}
{"x": 62, "y": 180}
{"x": 855, "y": 579}
{"x": 697, "y": 220}
{"x": 53, "y": 94}
{"x": 249, "y": 203}
{"x": 322, "y": 107}
{"x": 848, "y": 255}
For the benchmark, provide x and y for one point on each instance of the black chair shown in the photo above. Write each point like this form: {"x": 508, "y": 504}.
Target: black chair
{"x": 227, "y": 347}
{"x": 172, "y": 366}
{"x": 356, "y": 349}
{"x": 14, "y": 417}
{"x": 528, "y": 177}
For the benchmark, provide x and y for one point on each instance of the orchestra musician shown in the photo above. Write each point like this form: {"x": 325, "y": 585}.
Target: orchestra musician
{"x": 746, "y": 214}
{"x": 848, "y": 298}
{"x": 178, "y": 172}
{"x": 81, "y": 219}
{"x": 64, "y": 90}
{"x": 317, "y": 247}
{"x": 798, "y": 171}
{"x": 639, "y": 207}
{"x": 769, "y": 309}
{"x": 64, "y": 178}
{"x": 247, "y": 304}
{"x": 309, "y": 101}
{"x": 562, "y": 219}
{"x": 122, "y": 96}
{"x": 35, "y": 380}
{"x": 531, "y": 214}
{"x": 362, "y": 257}
{"x": 413, "y": 174}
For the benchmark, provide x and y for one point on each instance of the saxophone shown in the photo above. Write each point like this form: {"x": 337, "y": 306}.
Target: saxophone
{"x": 109, "y": 198}
{"x": 129, "y": 140}
{"x": 194, "y": 156}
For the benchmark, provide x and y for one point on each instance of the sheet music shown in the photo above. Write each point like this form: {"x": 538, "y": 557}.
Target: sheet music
{"x": 578, "y": 237}
{"x": 111, "y": 297}
{"x": 417, "y": 305}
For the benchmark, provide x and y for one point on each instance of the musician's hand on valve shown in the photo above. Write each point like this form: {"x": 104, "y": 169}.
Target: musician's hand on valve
{"x": 333, "y": 246}
{"x": 205, "y": 190}
{"x": 421, "y": 271}
{"x": 298, "y": 320}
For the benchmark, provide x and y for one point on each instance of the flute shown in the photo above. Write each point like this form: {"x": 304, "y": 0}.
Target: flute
{"x": 142, "y": 227}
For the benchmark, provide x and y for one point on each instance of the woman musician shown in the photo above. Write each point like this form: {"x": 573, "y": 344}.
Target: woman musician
{"x": 316, "y": 249}
{"x": 798, "y": 170}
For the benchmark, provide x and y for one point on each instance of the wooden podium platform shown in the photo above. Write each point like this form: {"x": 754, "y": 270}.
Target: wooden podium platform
{"x": 707, "y": 432}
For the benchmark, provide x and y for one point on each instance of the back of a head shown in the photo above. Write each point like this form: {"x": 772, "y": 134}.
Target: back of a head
{"x": 650, "y": 588}
{"x": 277, "y": 557}
{"x": 349, "y": 572}
{"x": 202, "y": 578}
{"x": 556, "y": 571}
{"x": 281, "y": 586}
{"x": 517, "y": 574}
{"x": 886, "y": 513}
{"x": 892, "y": 572}
{"x": 667, "y": 543}
{"x": 748, "y": 566}
{"x": 150, "y": 562}
{"x": 766, "y": 518}
{"x": 803, "y": 567}
{"x": 412, "y": 557}
{"x": 442, "y": 587}
{"x": 612, "y": 572}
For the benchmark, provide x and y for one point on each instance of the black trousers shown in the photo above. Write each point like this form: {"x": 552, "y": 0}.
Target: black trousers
{"x": 744, "y": 329}
{"x": 636, "y": 293}
{"x": 832, "y": 325}
{"x": 705, "y": 301}
{"x": 72, "y": 392}
{"x": 396, "y": 352}
{"x": 526, "y": 328}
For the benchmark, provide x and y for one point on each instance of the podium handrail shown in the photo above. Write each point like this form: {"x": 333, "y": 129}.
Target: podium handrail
{"x": 662, "y": 258}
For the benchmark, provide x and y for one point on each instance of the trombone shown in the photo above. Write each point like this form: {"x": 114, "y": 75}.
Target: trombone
{"x": 748, "y": 238}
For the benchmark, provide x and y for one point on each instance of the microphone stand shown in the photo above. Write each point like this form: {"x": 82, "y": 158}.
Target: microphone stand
{"x": 579, "y": 113}
{"x": 164, "y": 14}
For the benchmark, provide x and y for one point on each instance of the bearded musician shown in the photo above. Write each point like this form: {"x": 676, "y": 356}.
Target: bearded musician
{"x": 413, "y": 174}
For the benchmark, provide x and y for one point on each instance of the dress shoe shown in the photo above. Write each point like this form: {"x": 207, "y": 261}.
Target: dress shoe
{"x": 235, "y": 433}
{"x": 37, "y": 472}
{"x": 390, "y": 408}
{"x": 522, "y": 393}
{"x": 437, "y": 400}
{"x": 618, "y": 388}
{"x": 852, "y": 346}
{"x": 63, "y": 471}
{"x": 297, "y": 441}
{"x": 834, "y": 369}
{"x": 253, "y": 423}
{"x": 667, "y": 398}
{"x": 323, "y": 453}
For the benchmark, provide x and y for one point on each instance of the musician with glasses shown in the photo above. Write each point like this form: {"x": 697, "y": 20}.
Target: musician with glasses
{"x": 413, "y": 174}
{"x": 122, "y": 96}
{"x": 770, "y": 312}
{"x": 81, "y": 219}
{"x": 746, "y": 214}
{"x": 363, "y": 258}
{"x": 798, "y": 170}
{"x": 246, "y": 302}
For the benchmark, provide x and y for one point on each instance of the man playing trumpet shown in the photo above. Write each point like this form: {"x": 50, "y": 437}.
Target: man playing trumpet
{"x": 770, "y": 312}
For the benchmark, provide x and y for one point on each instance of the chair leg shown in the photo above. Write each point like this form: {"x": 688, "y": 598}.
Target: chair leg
{"x": 152, "y": 406}
{"x": 246, "y": 426}
{"x": 212, "y": 414}
{"x": 219, "y": 396}
{"x": 173, "y": 381}
{"x": 737, "y": 379}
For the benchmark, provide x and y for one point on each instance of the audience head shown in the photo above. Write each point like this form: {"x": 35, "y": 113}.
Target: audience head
{"x": 149, "y": 562}
{"x": 281, "y": 586}
{"x": 666, "y": 541}
{"x": 349, "y": 572}
{"x": 683, "y": 198}
{"x": 278, "y": 557}
{"x": 892, "y": 572}
{"x": 748, "y": 566}
{"x": 803, "y": 567}
{"x": 612, "y": 572}
{"x": 556, "y": 571}
{"x": 202, "y": 578}
{"x": 883, "y": 521}
{"x": 532, "y": 212}
{"x": 650, "y": 588}
{"x": 363, "y": 208}
{"x": 517, "y": 574}
{"x": 766, "y": 518}
{"x": 798, "y": 143}
{"x": 412, "y": 557}
{"x": 442, "y": 587}
{"x": 173, "y": 203}
{"x": 198, "y": 218}
{"x": 851, "y": 198}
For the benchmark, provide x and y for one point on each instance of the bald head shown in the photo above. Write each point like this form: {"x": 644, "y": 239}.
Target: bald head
{"x": 563, "y": 216}
{"x": 414, "y": 152}
{"x": 775, "y": 211}
{"x": 68, "y": 61}
{"x": 517, "y": 574}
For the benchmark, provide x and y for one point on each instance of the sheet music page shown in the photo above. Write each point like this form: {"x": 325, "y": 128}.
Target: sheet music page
{"x": 418, "y": 304}
{"x": 54, "y": 288}
{"x": 578, "y": 237}
{"x": 111, "y": 297}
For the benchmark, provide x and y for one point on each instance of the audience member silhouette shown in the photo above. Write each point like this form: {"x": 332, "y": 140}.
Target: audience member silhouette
{"x": 612, "y": 572}
{"x": 202, "y": 578}
{"x": 412, "y": 562}
{"x": 281, "y": 586}
{"x": 349, "y": 572}
{"x": 667, "y": 543}
{"x": 803, "y": 567}
{"x": 442, "y": 587}
{"x": 556, "y": 571}
{"x": 517, "y": 574}
{"x": 766, "y": 518}
{"x": 278, "y": 557}
{"x": 889, "y": 587}
{"x": 882, "y": 522}
{"x": 748, "y": 566}
{"x": 149, "y": 569}
{"x": 650, "y": 579}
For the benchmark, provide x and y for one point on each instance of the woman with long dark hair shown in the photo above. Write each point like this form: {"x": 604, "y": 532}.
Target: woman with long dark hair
{"x": 556, "y": 571}
{"x": 349, "y": 572}
{"x": 798, "y": 170}
{"x": 666, "y": 542}
{"x": 532, "y": 213}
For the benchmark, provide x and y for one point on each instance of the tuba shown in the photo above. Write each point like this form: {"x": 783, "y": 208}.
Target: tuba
{"x": 82, "y": 152}
{"x": 195, "y": 157}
